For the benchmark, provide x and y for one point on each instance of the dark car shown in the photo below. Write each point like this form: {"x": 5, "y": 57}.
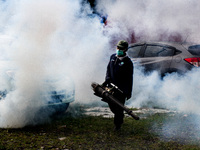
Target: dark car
{"x": 165, "y": 57}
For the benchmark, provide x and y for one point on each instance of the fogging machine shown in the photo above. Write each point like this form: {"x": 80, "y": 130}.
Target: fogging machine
{"x": 107, "y": 94}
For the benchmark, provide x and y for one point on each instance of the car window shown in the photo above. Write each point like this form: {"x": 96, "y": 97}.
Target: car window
{"x": 134, "y": 51}
{"x": 158, "y": 51}
{"x": 194, "y": 49}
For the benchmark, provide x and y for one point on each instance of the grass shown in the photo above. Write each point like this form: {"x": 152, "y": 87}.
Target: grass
{"x": 87, "y": 132}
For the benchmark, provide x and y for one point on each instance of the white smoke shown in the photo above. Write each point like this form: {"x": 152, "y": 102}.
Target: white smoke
{"x": 152, "y": 19}
{"x": 45, "y": 38}
{"x": 60, "y": 37}
{"x": 174, "y": 91}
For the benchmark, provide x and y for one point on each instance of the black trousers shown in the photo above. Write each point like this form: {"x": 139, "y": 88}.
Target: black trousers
{"x": 117, "y": 110}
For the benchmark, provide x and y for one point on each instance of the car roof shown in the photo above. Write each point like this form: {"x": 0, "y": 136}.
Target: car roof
{"x": 177, "y": 45}
{"x": 173, "y": 44}
{"x": 161, "y": 43}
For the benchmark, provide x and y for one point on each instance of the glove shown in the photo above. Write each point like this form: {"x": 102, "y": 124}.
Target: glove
{"x": 104, "y": 83}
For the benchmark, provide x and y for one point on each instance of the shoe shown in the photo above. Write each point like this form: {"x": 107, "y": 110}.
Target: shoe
{"x": 117, "y": 128}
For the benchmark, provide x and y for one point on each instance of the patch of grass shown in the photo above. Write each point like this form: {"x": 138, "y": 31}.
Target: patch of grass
{"x": 87, "y": 132}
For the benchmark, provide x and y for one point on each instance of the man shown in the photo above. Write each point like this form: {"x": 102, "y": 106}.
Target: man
{"x": 120, "y": 73}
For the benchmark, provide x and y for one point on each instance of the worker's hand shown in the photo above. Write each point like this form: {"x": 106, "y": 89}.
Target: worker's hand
{"x": 104, "y": 84}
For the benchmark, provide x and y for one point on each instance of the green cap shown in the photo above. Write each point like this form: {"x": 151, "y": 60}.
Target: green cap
{"x": 122, "y": 44}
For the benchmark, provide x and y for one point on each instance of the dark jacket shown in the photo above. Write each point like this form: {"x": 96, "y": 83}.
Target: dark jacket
{"x": 120, "y": 73}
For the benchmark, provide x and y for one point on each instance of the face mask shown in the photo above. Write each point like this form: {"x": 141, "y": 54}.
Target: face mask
{"x": 119, "y": 52}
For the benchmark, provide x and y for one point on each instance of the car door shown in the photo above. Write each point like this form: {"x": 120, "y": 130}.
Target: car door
{"x": 156, "y": 57}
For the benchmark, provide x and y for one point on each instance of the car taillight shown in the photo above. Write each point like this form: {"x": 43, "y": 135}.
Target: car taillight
{"x": 194, "y": 61}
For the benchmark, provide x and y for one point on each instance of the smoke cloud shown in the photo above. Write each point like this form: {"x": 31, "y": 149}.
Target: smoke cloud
{"x": 173, "y": 92}
{"x": 152, "y": 19}
{"x": 57, "y": 38}
{"x": 46, "y": 38}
